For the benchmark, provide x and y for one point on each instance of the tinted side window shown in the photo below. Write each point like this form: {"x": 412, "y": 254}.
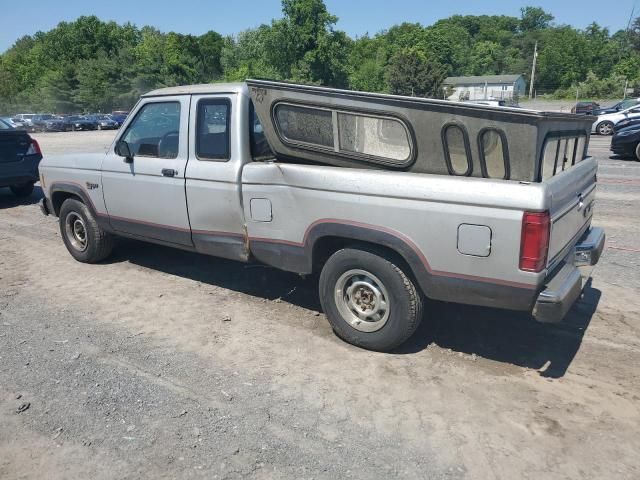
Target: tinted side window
{"x": 155, "y": 131}
{"x": 306, "y": 125}
{"x": 212, "y": 129}
{"x": 457, "y": 151}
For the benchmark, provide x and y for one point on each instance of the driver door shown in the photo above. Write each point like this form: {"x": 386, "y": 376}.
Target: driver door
{"x": 146, "y": 197}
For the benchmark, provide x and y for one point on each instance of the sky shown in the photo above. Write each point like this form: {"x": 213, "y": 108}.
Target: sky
{"x": 357, "y": 17}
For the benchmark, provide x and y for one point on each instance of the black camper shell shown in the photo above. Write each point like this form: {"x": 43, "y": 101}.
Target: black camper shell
{"x": 371, "y": 130}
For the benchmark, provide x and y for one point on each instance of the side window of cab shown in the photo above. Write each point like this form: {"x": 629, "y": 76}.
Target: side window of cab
{"x": 155, "y": 130}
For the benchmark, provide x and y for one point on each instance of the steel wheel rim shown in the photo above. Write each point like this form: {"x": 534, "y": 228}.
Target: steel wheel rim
{"x": 76, "y": 231}
{"x": 605, "y": 129}
{"x": 362, "y": 300}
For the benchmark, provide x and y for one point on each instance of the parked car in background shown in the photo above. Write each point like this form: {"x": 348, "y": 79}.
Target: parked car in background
{"x": 24, "y": 119}
{"x": 39, "y": 122}
{"x": 620, "y": 106}
{"x": 605, "y": 124}
{"x": 56, "y": 124}
{"x": 19, "y": 159}
{"x": 80, "y": 122}
{"x": 628, "y": 122}
{"x": 102, "y": 121}
{"x": 489, "y": 102}
{"x": 13, "y": 124}
{"x": 626, "y": 142}
{"x": 586, "y": 108}
{"x": 119, "y": 118}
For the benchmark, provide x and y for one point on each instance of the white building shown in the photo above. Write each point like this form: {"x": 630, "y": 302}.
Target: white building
{"x": 487, "y": 87}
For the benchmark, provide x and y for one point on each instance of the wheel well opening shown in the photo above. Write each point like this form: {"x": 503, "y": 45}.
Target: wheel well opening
{"x": 58, "y": 198}
{"x": 327, "y": 246}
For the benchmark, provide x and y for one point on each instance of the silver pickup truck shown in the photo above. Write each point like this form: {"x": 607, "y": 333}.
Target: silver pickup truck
{"x": 389, "y": 198}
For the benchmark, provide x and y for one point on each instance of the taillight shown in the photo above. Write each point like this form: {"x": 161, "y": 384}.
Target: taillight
{"x": 34, "y": 148}
{"x": 534, "y": 244}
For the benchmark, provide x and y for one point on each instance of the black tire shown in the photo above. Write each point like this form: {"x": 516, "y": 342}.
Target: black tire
{"x": 23, "y": 190}
{"x": 637, "y": 157}
{"x": 98, "y": 243}
{"x": 405, "y": 302}
{"x": 605, "y": 128}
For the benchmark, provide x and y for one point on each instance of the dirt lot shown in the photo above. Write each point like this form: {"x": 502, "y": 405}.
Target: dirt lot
{"x": 130, "y": 370}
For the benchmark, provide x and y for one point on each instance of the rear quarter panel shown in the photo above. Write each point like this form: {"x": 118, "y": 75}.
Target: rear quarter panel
{"x": 423, "y": 210}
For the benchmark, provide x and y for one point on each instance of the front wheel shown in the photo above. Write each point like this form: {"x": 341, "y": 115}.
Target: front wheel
{"x": 638, "y": 153}
{"x": 86, "y": 241}
{"x": 23, "y": 190}
{"x": 605, "y": 128}
{"x": 369, "y": 299}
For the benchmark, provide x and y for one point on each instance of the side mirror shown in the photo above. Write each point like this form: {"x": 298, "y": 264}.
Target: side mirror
{"x": 123, "y": 150}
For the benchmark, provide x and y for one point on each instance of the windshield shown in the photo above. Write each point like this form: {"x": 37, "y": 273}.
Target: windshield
{"x": 4, "y": 125}
{"x": 634, "y": 108}
{"x": 625, "y": 104}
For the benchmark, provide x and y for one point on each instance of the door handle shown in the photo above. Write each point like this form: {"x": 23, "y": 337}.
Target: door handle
{"x": 169, "y": 172}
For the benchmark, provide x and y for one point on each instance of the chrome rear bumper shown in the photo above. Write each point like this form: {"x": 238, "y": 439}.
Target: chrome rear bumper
{"x": 565, "y": 286}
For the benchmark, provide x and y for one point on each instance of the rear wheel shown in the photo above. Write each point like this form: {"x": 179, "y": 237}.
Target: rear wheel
{"x": 605, "y": 128}
{"x": 369, "y": 300}
{"x": 86, "y": 241}
{"x": 637, "y": 153}
{"x": 22, "y": 190}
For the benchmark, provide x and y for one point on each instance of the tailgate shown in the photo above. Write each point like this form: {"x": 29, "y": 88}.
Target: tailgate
{"x": 13, "y": 145}
{"x": 572, "y": 200}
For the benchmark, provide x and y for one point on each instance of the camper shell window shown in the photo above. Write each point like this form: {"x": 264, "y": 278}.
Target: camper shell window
{"x": 457, "y": 150}
{"x": 305, "y": 125}
{"x": 494, "y": 154}
{"x": 362, "y": 135}
{"x": 562, "y": 151}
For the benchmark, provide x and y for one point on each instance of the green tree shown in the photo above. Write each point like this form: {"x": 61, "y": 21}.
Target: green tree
{"x": 564, "y": 58}
{"x": 89, "y": 64}
{"x": 367, "y": 63}
{"x": 410, "y": 73}
{"x": 534, "y": 18}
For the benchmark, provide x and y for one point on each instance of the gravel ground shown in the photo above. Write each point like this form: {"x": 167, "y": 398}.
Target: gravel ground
{"x": 166, "y": 364}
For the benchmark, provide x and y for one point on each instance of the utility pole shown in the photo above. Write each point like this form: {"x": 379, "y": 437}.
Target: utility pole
{"x": 626, "y": 85}
{"x": 533, "y": 70}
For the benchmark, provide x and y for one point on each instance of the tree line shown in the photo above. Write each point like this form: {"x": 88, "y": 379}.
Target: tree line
{"x": 91, "y": 65}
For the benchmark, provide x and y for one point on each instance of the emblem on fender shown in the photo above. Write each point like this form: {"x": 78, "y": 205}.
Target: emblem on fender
{"x": 92, "y": 186}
